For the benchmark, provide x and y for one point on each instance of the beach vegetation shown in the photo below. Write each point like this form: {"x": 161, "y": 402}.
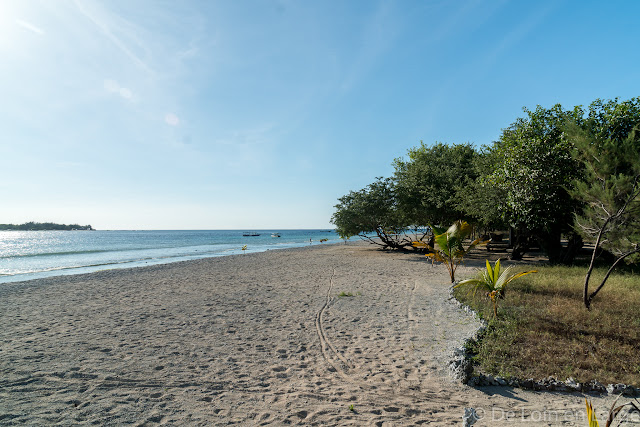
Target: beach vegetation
{"x": 591, "y": 414}
{"x": 493, "y": 281}
{"x": 481, "y": 201}
{"x": 535, "y": 181}
{"x": 372, "y": 214}
{"x": 428, "y": 180}
{"x": 543, "y": 329}
{"x": 450, "y": 245}
{"x": 533, "y": 170}
{"x": 348, "y": 294}
{"x": 610, "y": 186}
{"x": 623, "y": 410}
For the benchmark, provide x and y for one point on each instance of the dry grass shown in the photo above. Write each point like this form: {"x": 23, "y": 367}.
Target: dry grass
{"x": 544, "y": 329}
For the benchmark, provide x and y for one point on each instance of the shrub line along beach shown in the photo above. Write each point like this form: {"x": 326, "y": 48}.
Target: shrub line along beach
{"x": 338, "y": 334}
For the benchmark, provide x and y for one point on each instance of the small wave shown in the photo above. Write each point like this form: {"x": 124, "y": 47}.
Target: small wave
{"x": 42, "y": 254}
{"x": 99, "y": 251}
{"x": 66, "y": 267}
{"x": 137, "y": 257}
{"x": 164, "y": 258}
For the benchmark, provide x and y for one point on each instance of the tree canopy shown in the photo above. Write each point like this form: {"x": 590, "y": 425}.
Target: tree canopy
{"x": 550, "y": 168}
{"x": 372, "y": 209}
{"x": 534, "y": 169}
{"x": 427, "y": 183}
{"x": 608, "y": 144}
{"x": 480, "y": 199}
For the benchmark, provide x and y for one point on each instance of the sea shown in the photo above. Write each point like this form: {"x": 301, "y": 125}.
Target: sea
{"x": 27, "y": 255}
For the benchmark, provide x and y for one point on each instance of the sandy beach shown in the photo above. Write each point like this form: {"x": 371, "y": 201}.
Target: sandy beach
{"x": 256, "y": 339}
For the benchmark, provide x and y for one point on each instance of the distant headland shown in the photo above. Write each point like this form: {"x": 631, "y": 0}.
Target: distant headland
{"x": 40, "y": 226}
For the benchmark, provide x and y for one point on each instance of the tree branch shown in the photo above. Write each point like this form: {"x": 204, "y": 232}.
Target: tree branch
{"x": 585, "y": 295}
{"x": 594, "y": 293}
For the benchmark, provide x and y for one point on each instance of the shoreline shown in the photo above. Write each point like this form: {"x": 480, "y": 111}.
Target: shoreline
{"x": 10, "y": 279}
{"x": 108, "y": 272}
{"x": 255, "y": 339}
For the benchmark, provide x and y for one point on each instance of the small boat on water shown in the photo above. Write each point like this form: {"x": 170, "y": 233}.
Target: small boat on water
{"x": 250, "y": 234}
{"x": 275, "y": 235}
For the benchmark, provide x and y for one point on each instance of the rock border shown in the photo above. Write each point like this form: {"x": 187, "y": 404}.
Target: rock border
{"x": 461, "y": 369}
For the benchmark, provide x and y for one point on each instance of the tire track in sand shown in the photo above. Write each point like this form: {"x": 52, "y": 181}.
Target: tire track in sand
{"x": 333, "y": 357}
{"x": 369, "y": 391}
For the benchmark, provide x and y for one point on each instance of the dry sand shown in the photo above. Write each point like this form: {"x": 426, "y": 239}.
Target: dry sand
{"x": 253, "y": 339}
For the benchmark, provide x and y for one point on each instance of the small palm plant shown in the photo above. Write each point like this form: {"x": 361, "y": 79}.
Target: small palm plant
{"x": 450, "y": 250}
{"x": 591, "y": 415}
{"x": 631, "y": 407}
{"x": 493, "y": 281}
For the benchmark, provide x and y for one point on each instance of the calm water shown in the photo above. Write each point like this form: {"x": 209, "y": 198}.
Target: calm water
{"x": 26, "y": 255}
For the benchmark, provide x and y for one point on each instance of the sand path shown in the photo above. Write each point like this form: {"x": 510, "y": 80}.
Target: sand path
{"x": 257, "y": 339}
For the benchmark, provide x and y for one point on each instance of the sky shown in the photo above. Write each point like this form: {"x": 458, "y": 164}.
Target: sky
{"x": 259, "y": 114}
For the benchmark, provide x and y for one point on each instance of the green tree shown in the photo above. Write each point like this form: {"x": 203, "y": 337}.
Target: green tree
{"x": 534, "y": 170}
{"x": 608, "y": 144}
{"x": 480, "y": 200}
{"x": 428, "y": 181}
{"x": 372, "y": 210}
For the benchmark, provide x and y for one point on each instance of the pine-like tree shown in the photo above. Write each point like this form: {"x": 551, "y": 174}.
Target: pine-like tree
{"x": 610, "y": 188}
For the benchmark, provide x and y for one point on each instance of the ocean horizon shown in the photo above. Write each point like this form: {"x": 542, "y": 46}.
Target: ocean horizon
{"x": 28, "y": 255}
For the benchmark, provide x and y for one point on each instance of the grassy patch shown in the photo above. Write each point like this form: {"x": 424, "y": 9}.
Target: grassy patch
{"x": 348, "y": 294}
{"x": 544, "y": 330}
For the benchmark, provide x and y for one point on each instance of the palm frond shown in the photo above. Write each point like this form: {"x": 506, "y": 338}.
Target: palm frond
{"x": 591, "y": 415}
{"x": 493, "y": 280}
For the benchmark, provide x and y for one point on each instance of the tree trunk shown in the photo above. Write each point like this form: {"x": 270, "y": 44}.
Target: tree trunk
{"x": 520, "y": 245}
{"x": 606, "y": 276}
{"x": 551, "y": 244}
{"x": 574, "y": 244}
{"x": 585, "y": 294}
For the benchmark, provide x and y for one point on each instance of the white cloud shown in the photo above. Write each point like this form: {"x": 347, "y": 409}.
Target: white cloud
{"x": 29, "y": 26}
{"x": 172, "y": 119}
{"x": 68, "y": 164}
{"x": 125, "y": 93}
{"x": 120, "y": 32}
{"x": 113, "y": 86}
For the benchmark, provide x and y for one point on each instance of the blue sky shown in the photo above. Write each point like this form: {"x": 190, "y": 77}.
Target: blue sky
{"x": 260, "y": 114}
